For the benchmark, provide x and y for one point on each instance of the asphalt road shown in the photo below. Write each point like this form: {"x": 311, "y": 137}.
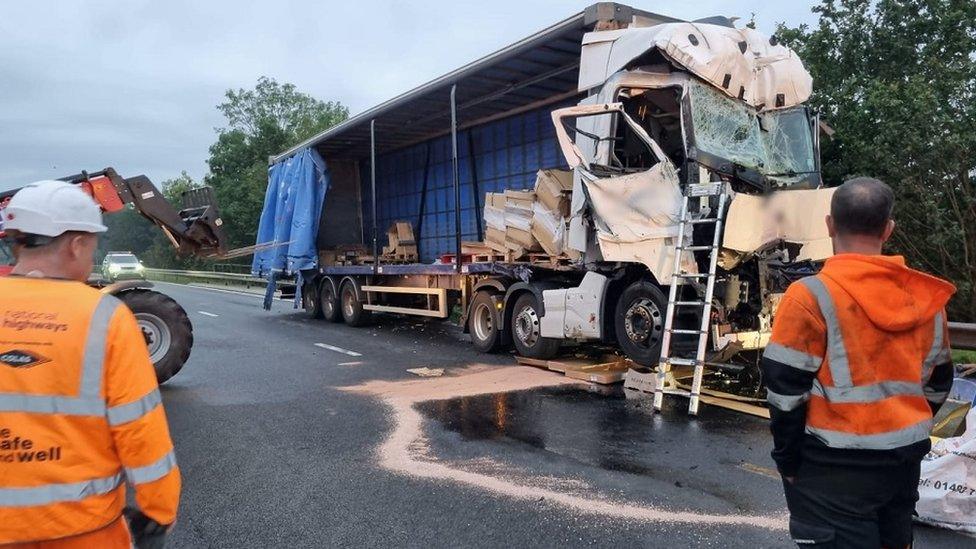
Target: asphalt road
{"x": 274, "y": 455}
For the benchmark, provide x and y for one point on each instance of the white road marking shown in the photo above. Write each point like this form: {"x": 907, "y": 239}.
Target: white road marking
{"x": 350, "y": 363}
{"x": 337, "y": 349}
{"x": 205, "y": 313}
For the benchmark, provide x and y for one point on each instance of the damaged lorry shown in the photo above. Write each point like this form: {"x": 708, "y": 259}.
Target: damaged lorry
{"x": 691, "y": 176}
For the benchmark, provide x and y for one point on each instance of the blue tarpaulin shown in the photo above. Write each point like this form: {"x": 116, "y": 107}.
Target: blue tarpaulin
{"x": 292, "y": 208}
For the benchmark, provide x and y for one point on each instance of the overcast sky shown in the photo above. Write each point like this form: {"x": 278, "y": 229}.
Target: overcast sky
{"x": 134, "y": 84}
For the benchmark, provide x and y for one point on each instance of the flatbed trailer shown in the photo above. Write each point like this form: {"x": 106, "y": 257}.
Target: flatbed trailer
{"x": 628, "y": 100}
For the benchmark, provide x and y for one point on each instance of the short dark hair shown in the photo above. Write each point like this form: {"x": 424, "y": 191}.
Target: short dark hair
{"x": 862, "y": 206}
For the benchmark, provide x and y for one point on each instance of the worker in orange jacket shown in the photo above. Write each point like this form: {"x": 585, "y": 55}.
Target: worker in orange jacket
{"x": 80, "y": 411}
{"x": 857, "y": 365}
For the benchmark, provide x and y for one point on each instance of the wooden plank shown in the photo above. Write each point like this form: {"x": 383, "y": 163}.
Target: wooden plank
{"x": 736, "y": 405}
{"x": 405, "y": 310}
{"x": 538, "y": 363}
{"x": 607, "y": 377}
{"x": 439, "y": 292}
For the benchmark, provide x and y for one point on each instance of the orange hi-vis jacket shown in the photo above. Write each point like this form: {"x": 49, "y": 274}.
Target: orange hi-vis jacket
{"x": 80, "y": 413}
{"x": 858, "y": 358}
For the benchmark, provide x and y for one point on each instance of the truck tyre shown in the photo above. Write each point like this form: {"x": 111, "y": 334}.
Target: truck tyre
{"x": 639, "y": 322}
{"x": 329, "y": 302}
{"x": 310, "y": 299}
{"x": 166, "y": 327}
{"x": 526, "y": 329}
{"x": 352, "y": 307}
{"x": 484, "y": 324}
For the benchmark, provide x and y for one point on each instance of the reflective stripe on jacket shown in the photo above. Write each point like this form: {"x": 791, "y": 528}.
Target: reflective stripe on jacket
{"x": 80, "y": 413}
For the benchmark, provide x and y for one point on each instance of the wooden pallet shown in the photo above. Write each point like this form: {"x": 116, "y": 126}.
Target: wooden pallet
{"x": 549, "y": 260}
{"x": 491, "y": 257}
{"x": 605, "y": 370}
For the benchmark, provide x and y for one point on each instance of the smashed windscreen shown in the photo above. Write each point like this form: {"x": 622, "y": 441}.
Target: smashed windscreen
{"x": 777, "y": 144}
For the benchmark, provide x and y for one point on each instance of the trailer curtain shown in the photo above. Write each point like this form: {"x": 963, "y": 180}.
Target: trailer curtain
{"x": 290, "y": 219}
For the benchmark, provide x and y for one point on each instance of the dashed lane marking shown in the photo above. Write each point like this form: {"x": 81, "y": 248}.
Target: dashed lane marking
{"x": 350, "y": 363}
{"x": 338, "y": 349}
{"x": 205, "y": 313}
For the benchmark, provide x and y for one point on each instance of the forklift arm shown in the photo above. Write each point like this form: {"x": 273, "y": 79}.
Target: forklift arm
{"x": 197, "y": 229}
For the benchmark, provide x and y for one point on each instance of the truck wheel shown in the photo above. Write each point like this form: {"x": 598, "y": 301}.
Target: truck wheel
{"x": 329, "y": 302}
{"x": 639, "y": 322}
{"x": 352, "y": 307}
{"x": 526, "y": 329}
{"x": 484, "y": 324}
{"x": 310, "y": 300}
{"x": 167, "y": 329}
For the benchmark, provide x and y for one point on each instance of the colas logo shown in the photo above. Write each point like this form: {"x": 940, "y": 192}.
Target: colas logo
{"x": 22, "y": 359}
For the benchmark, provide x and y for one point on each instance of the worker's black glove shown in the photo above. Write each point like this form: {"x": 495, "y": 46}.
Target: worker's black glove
{"x": 146, "y": 533}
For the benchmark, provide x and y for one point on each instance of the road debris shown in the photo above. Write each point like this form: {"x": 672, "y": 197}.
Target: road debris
{"x": 426, "y": 372}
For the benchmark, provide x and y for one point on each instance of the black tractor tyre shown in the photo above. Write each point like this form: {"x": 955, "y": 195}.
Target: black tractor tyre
{"x": 484, "y": 323}
{"x": 310, "y": 299}
{"x": 166, "y": 327}
{"x": 639, "y": 322}
{"x": 329, "y": 302}
{"x": 352, "y": 308}
{"x": 526, "y": 327}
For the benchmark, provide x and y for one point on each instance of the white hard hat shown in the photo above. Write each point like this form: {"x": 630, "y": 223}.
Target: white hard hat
{"x": 50, "y": 208}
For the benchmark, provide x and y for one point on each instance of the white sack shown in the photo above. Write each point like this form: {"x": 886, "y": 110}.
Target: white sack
{"x": 947, "y": 489}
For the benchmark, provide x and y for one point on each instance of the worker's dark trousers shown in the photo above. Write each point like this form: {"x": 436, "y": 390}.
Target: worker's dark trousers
{"x": 852, "y": 507}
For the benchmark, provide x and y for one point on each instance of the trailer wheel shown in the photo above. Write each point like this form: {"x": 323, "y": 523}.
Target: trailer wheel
{"x": 526, "y": 329}
{"x": 310, "y": 300}
{"x": 329, "y": 302}
{"x": 639, "y": 322}
{"x": 166, "y": 327}
{"x": 484, "y": 324}
{"x": 352, "y": 307}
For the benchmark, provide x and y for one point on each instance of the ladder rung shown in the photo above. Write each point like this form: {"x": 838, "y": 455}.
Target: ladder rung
{"x": 701, "y": 221}
{"x": 689, "y": 303}
{"x": 686, "y": 331}
{"x": 683, "y": 361}
{"x": 695, "y": 248}
{"x": 692, "y": 275}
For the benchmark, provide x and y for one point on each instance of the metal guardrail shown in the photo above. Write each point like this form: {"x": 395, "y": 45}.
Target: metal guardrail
{"x": 206, "y": 277}
{"x": 962, "y": 336}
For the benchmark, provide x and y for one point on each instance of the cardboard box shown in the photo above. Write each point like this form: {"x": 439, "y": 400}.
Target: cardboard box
{"x": 518, "y": 238}
{"x": 546, "y": 239}
{"x": 519, "y": 199}
{"x": 400, "y": 232}
{"x": 495, "y": 200}
{"x": 495, "y": 239}
{"x": 554, "y": 189}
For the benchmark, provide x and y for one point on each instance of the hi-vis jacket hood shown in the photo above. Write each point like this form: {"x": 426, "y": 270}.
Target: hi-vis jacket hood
{"x": 893, "y": 296}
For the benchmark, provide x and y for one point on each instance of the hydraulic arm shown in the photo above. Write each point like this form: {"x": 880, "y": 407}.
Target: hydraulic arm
{"x": 196, "y": 229}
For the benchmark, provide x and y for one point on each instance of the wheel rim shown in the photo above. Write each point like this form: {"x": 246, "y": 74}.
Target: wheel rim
{"x": 348, "y": 303}
{"x": 157, "y": 335}
{"x": 527, "y": 326}
{"x": 327, "y": 300}
{"x": 483, "y": 322}
{"x": 309, "y": 301}
{"x": 643, "y": 323}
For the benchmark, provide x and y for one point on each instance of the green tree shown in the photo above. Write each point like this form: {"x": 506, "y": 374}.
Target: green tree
{"x": 896, "y": 79}
{"x": 261, "y": 122}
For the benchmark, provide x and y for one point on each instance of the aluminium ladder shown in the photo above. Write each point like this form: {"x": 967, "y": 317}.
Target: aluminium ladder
{"x": 665, "y": 381}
